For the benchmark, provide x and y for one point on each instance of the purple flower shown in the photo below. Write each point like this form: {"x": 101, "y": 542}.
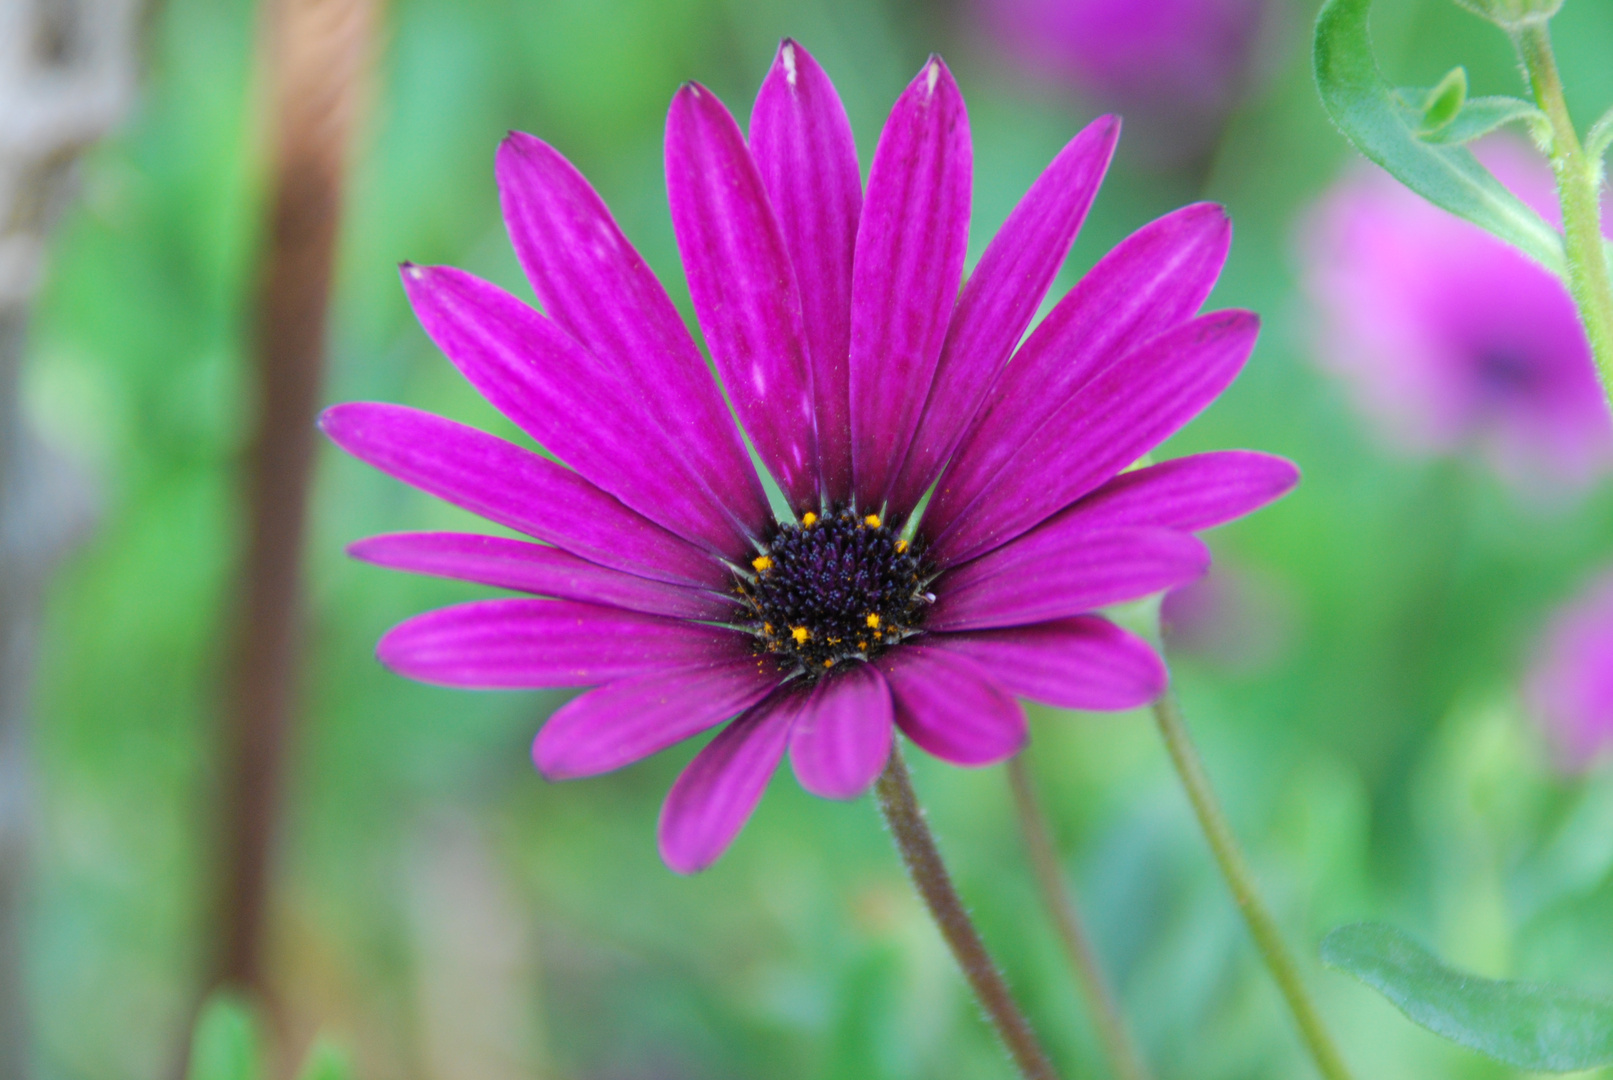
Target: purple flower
{"x": 1453, "y": 341}
{"x": 1570, "y": 687}
{"x": 1181, "y": 63}
{"x": 864, "y": 379}
{"x": 1236, "y": 617}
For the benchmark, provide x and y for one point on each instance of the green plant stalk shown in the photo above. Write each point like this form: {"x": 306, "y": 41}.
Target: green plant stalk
{"x": 1124, "y": 1057}
{"x": 904, "y": 816}
{"x": 1578, "y": 176}
{"x": 1229, "y": 856}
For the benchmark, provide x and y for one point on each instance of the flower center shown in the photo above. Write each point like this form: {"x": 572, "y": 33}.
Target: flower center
{"x": 1506, "y": 372}
{"x": 833, "y": 588}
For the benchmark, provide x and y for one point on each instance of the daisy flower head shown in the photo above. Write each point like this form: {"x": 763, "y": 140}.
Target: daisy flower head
{"x": 867, "y": 384}
{"x": 1453, "y": 341}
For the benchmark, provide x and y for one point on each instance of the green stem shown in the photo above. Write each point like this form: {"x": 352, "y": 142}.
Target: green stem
{"x": 1113, "y": 1032}
{"x": 1578, "y": 177}
{"x": 899, "y": 804}
{"x": 1262, "y": 927}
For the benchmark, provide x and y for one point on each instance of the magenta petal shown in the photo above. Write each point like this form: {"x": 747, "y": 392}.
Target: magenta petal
{"x": 1119, "y": 416}
{"x": 1082, "y": 663}
{"x": 534, "y": 568}
{"x": 1061, "y": 570}
{"x": 715, "y": 795}
{"x": 804, "y": 151}
{"x": 1155, "y": 279}
{"x": 952, "y": 708}
{"x": 911, "y": 243}
{"x": 1189, "y": 493}
{"x": 1001, "y": 297}
{"x": 532, "y": 644}
{"x": 514, "y": 487}
{"x": 743, "y": 286}
{"x": 842, "y": 735}
{"x": 561, "y": 396}
{"x": 630, "y": 719}
{"x": 600, "y": 292}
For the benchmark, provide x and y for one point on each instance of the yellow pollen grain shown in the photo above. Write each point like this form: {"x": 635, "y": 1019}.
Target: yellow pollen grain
{"x": 872, "y": 521}
{"x": 800, "y": 634}
{"x": 829, "y": 662}
{"x": 809, "y": 519}
{"x": 767, "y": 628}
{"x": 901, "y": 546}
{"x": 762, "y": 563}
{"x": 873, "y": 621}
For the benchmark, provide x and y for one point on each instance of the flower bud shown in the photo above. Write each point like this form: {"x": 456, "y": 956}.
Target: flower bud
{"x": 1513, "y": 14}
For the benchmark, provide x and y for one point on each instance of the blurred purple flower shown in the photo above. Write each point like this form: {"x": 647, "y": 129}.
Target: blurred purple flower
{"x": 1180, "y": 63}
{"x": 1453, "y": 341}
{"x": 1234, "y": 617}
{"x": 1570, "y": 687}
{"x": 863, "y": 378}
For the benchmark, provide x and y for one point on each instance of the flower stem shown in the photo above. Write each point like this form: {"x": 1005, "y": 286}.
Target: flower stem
{"x": 1262, "y": 927}
{"x": 1124, "y": 1057}
{"x": 1578, "y": 177}
{"x": 897, "y": 802}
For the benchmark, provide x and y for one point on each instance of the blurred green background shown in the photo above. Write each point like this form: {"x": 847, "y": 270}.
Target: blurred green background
{"x": 445, "y": 913}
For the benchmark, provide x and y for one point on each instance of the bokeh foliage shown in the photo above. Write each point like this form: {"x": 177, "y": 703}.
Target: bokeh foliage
{"x": 445, "y": 912}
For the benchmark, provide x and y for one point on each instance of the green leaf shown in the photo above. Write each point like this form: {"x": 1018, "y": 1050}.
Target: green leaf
{"x": 225, "y": 1043}
{"x": 1366, "y": 109}
{"x": 326, "y": 1061}
{"x": 1443, "y": 102}
{"x": 1532, "y": 1026}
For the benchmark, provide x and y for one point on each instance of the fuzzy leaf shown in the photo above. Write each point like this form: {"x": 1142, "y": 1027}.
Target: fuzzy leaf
{"x": 1532, "y": 1026}
{"x": 1370, "y": 115}
{"x": 1426, "y": 112}
{"x": 225, "y": 1043}
{"x": 1479, "y": 117}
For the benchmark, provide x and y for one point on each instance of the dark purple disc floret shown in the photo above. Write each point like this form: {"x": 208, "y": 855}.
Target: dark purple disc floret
{"x": 833, "y": 589}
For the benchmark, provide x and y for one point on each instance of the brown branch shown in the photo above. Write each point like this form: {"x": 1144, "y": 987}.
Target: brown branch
{"x": 317, "y": 51}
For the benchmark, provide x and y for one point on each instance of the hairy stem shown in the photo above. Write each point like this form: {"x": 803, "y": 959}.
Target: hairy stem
{"x": 1124, "y": 1057}
{"x": 1578, "y": 178}
{"x": 1229, "y": 857}
{"x": 897, "y": 802}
